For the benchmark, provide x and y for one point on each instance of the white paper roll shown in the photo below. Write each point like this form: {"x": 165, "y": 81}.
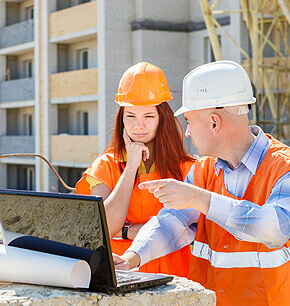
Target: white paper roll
{"x": 9, "y": 236}
{"x": 31, "y": 267}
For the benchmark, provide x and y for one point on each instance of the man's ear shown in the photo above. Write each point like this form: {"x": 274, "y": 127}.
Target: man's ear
{"x": 215, "y": 121}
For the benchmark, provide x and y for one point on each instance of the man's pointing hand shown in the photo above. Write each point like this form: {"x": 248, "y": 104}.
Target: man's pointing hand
{"x": 178, "y": 195}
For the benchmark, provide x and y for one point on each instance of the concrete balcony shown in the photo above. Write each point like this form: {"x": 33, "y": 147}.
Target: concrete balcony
{"x": 17, "y": 90}
{"x": 73, "y": 149}
{"x": 74, "y": 23}
{"x": 17, "y": 34}
{"x": 17, "y": 144}
{"x": 72, "y": 84}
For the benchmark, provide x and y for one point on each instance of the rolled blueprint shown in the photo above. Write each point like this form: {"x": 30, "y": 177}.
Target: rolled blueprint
{"x": 9, "y": 236}
{"x": 32, "y": 267}
{"x": 95, "y": 258}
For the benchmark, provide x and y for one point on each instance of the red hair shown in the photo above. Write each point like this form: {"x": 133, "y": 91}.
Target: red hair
{"x": 169, "y": 150}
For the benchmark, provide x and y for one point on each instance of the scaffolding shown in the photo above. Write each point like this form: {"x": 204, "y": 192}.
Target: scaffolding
{"x": 267, "y": 59}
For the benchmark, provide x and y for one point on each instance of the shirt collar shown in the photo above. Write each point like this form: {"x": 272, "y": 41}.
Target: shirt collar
{"x": 253, "y": 156}
{"x": 142, "y": 168}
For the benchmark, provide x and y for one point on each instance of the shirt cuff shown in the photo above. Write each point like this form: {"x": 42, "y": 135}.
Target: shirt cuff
{"x": 219, "y": 208}
{"x": 141, "y": 251}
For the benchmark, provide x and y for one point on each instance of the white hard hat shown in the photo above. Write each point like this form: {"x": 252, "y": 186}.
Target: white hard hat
{"x": 217, "y": 84}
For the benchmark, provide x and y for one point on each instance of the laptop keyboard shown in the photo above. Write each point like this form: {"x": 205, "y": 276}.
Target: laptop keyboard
{"x": 126, "y": 277}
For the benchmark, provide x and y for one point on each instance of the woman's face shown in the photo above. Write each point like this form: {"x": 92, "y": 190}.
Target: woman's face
{"x": 141, "y": 122}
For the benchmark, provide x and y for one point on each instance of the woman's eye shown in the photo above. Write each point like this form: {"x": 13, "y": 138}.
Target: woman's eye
{"x": 149, "y": 116}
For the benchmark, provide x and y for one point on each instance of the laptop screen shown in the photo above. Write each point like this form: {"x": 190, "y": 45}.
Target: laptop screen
{"x": 75, "y": 220}
{"x": 69, "y": 219}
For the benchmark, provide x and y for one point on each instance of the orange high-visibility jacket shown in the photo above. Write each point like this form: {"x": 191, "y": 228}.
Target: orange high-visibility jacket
{"x": 143, "y": 205}
{"x": 241, "y": 272}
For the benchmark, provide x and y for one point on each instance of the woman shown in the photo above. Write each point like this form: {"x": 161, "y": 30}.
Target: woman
{"x": 146, "y": 145}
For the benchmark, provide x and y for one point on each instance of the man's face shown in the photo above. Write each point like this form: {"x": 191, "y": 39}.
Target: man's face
{"x": 198, "y": 129}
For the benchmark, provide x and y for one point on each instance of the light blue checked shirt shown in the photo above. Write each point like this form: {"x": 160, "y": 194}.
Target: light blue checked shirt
{"x": 268, "y": 224}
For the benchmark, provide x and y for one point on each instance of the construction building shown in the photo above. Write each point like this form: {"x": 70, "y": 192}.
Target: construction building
{"x": 61, "y": 62}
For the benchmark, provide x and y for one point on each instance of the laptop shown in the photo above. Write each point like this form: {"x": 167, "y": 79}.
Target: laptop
{"x": 69, "y": 225}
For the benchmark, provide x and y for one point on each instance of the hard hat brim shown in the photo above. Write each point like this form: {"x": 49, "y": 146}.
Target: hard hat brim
{"x": 181, "y": 110}
{"x": 140, "y": 103}
{"x": 184, "y": 109}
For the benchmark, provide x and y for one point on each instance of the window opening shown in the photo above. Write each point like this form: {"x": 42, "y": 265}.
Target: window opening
{"x": 28, "y": 125}
{"x": 29, "y": 178}
{"x": 83, "y": 59}
{"x": 28, "y": 69}
{"x": 29, "y": 13}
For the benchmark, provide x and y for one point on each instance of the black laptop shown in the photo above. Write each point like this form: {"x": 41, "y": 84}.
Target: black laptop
{"x": 68, "y": 225}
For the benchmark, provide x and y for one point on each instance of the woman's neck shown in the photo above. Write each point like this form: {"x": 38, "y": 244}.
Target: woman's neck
{"x": 149, "y": 162}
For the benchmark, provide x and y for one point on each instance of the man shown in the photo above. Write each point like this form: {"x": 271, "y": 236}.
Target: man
{"x": 238, "y": 210}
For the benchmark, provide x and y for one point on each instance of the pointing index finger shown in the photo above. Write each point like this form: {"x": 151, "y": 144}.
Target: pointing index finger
{"x": 153, "y": 184}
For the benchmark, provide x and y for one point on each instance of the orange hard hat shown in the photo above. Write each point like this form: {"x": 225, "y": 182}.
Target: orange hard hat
{"x": 143, "y": 84}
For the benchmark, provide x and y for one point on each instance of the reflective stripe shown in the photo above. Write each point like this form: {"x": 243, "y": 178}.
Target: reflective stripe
{"x": 241, "y": 259}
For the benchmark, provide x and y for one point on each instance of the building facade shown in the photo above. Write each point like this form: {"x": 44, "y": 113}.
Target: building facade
{"x": 60, "y": 65}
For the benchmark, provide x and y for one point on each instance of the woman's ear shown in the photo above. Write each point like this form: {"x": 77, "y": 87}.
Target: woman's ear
{"x": 215, "y": 121}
